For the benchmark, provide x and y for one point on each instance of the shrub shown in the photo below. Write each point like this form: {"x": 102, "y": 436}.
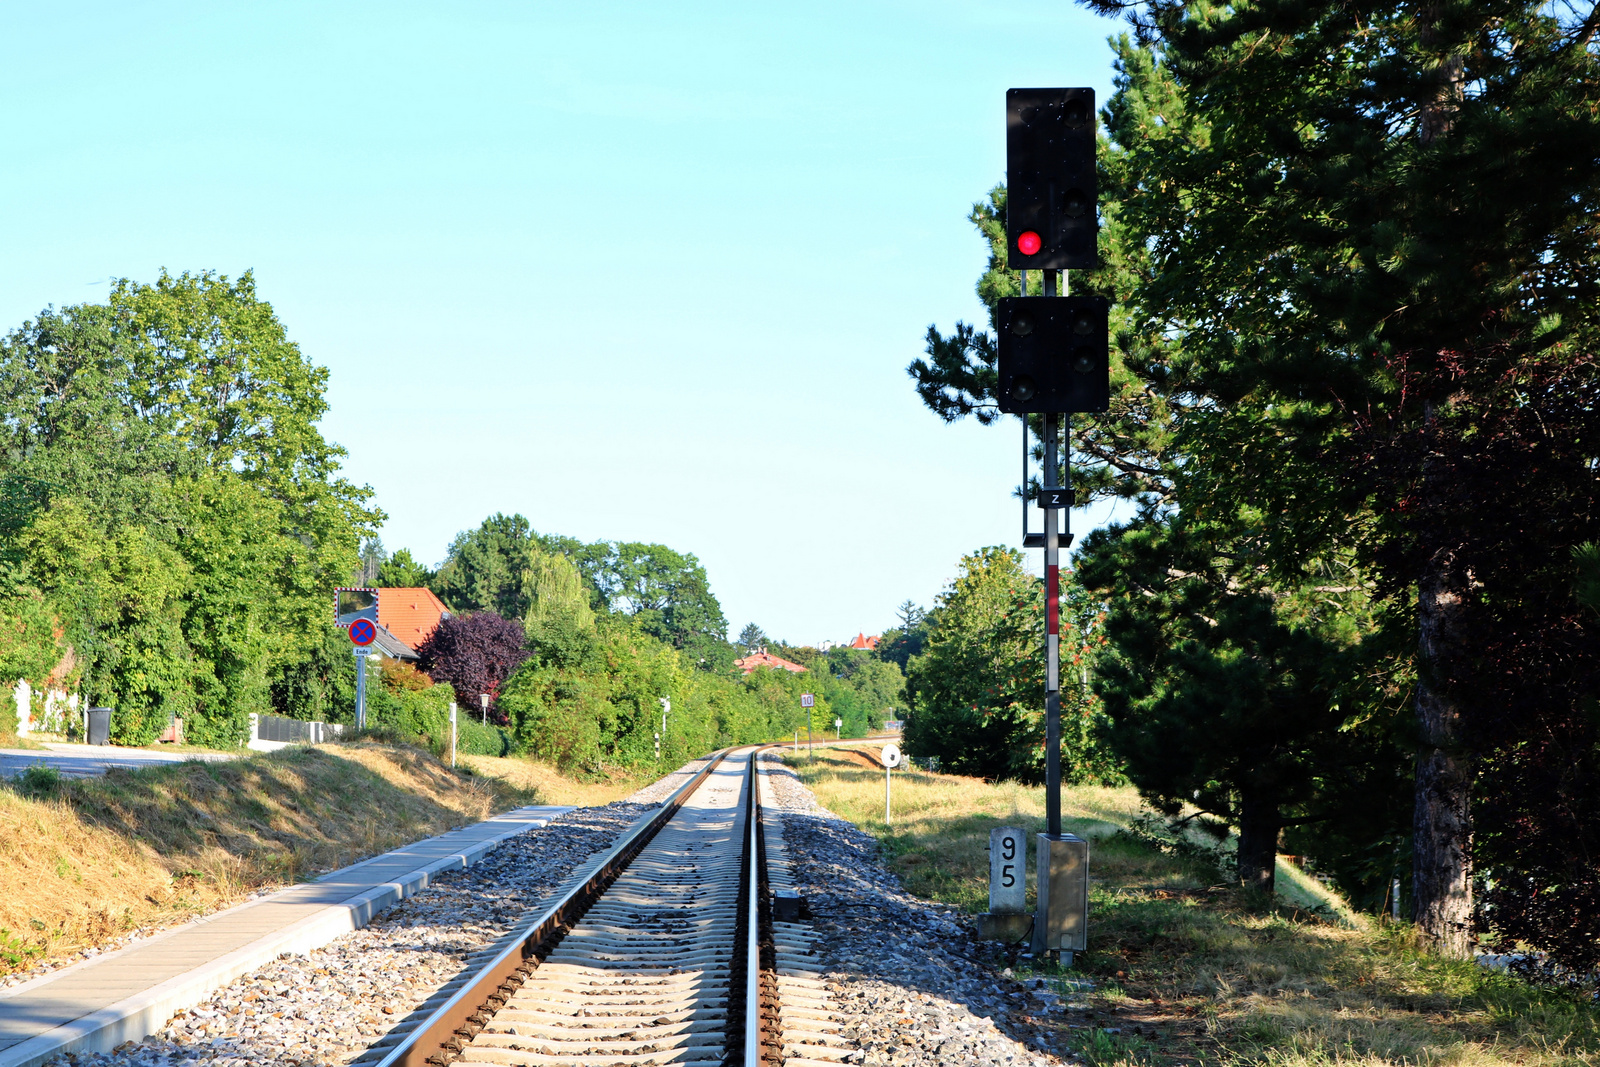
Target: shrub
{"x": 475, "y": 654}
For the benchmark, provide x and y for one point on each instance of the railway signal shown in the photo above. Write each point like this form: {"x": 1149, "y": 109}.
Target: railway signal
{"x": 1053, "y": 360}
{"x": 1051, "y": 193}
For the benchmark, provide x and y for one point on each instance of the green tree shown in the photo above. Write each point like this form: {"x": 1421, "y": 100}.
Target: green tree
{"x": 666, "y": 591}
{"x": 403, "y": 571}
{"x": 1352, "y": 250}
{"x": 971, "y": 685}
{"x": 1372, "y": 230}
{"x": 491, "y": 568}
{"x": 1223, "y": 688}
{"x": 195, "y": 518}
{"x": 560, "y": 623}
{"x": 373, "y": 557}
{"x": 751, "y": 638}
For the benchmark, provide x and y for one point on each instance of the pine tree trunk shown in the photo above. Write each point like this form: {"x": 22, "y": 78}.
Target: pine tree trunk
{"x": 1442, "y": 824}
{"x": 1259, "y": 823}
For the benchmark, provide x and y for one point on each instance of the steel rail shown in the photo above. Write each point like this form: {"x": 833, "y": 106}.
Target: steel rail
{"x": 440, "y": 1037}
{"x": 752, "y": 948}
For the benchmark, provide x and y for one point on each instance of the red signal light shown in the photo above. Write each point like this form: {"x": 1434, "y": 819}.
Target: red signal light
{"x": 1028, "y": 243}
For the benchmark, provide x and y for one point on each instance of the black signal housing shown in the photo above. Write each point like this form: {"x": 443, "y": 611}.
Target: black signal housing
{"x": 1051, "y": 191}
{"x": 1054, "y": 354}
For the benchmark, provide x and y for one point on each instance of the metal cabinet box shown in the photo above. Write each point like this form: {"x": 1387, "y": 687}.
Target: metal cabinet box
{"x": 1062, "y": 919}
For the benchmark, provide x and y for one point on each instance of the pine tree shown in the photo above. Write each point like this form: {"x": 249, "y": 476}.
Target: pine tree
{"x": 1354, "y": 255}
{"x": 1372, "y": 228}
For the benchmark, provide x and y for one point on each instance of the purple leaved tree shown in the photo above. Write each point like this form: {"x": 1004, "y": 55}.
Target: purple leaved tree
{"x": 474, "y": 654}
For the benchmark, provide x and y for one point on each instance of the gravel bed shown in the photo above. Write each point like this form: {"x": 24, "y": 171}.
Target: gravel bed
{"x": 913, "y": 983}
{"x": 328, "y": 1006}
{"x": 658, "y": 791}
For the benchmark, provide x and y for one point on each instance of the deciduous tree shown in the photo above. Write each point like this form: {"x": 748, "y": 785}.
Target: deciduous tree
{"x": 475, "y": 654}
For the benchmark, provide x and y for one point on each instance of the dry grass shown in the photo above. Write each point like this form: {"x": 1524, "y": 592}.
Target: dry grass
{"x": 1189, "y": 973}
{"x": 550, "y": 786}
{"x": 85, "y": 860}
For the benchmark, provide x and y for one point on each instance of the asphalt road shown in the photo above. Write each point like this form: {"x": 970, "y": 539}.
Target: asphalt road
{"x": 86, "y": 761}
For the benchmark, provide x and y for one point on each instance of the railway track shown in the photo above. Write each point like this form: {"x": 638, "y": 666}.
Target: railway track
{"x": 663, "y": 950}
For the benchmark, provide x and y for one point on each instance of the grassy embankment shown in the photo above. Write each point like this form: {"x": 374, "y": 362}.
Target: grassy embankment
{"x": 1189, "y": 973}
{"x": 84, "y": 861}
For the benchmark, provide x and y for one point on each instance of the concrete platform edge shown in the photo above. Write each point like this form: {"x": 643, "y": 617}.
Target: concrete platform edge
{"x": 144, "y": 1013}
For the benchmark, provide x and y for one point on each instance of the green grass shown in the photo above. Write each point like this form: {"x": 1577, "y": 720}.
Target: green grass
{"x": 1188, "y": 972}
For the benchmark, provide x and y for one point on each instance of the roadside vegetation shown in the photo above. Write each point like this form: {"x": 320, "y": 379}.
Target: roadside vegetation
{"x": 84, "y": 861}
{"x": 1186, "y": 967}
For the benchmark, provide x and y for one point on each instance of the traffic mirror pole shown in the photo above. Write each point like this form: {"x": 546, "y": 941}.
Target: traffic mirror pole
{"x": 361, "y": 689}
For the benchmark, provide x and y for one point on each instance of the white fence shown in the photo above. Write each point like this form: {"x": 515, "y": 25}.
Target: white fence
{"x": 268, "y": 733}
{"x": 52, "y": 714}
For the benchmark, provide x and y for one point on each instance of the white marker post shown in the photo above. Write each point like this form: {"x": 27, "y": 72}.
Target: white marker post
{"x": 808, "y": 702}
{"x": 891, "y": 760}
{"x": 452, "y": 733}
{"x": 838, "y": 729}
{"x": 361, "y": 689}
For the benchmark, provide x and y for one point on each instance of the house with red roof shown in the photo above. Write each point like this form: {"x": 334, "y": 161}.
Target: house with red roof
{"x": 762, "y": 658}
{"x": 864, "y": 642}
{"x": 410, "y": 614}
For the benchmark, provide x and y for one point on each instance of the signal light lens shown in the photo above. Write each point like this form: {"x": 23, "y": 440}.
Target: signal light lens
{"x": 1029, "y": 243}
{"x": 1083, "y": 324}
{"x": 1075, "y": 204}
{"x": 1083, "y": 361}
{"x": 1022, "y": 324}
{"x": 1023, "y": 388}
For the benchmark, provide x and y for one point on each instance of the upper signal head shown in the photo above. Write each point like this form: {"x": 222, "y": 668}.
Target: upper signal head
{"x": 1051, "y": 222}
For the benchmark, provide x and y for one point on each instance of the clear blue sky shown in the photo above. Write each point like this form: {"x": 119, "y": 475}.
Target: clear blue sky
{"x": 639, "y": 271}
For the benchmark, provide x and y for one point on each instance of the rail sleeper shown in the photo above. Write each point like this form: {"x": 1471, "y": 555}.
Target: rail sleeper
{"x": 644, "y": 977}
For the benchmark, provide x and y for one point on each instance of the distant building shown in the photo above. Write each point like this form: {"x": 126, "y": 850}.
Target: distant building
{"x": 763, "y": 658}
{"x": 864, "y": 642}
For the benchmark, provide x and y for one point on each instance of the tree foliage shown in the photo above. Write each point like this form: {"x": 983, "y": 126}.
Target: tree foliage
{"x": 1352, "y": 248}
{"x": 475, "y": 654}
{"x": 403, "y": 571}
{"x": 183, "y": 517}
{"x": 500, "y": 565}
{"x": 977, "y": 688}
{"x": 1223, "y": 690}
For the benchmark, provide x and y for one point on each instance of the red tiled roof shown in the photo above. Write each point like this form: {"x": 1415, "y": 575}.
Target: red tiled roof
{"x": 863, "y": 641}
{"x": 766, "y": 659}
{"x": 410, "y": 614}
